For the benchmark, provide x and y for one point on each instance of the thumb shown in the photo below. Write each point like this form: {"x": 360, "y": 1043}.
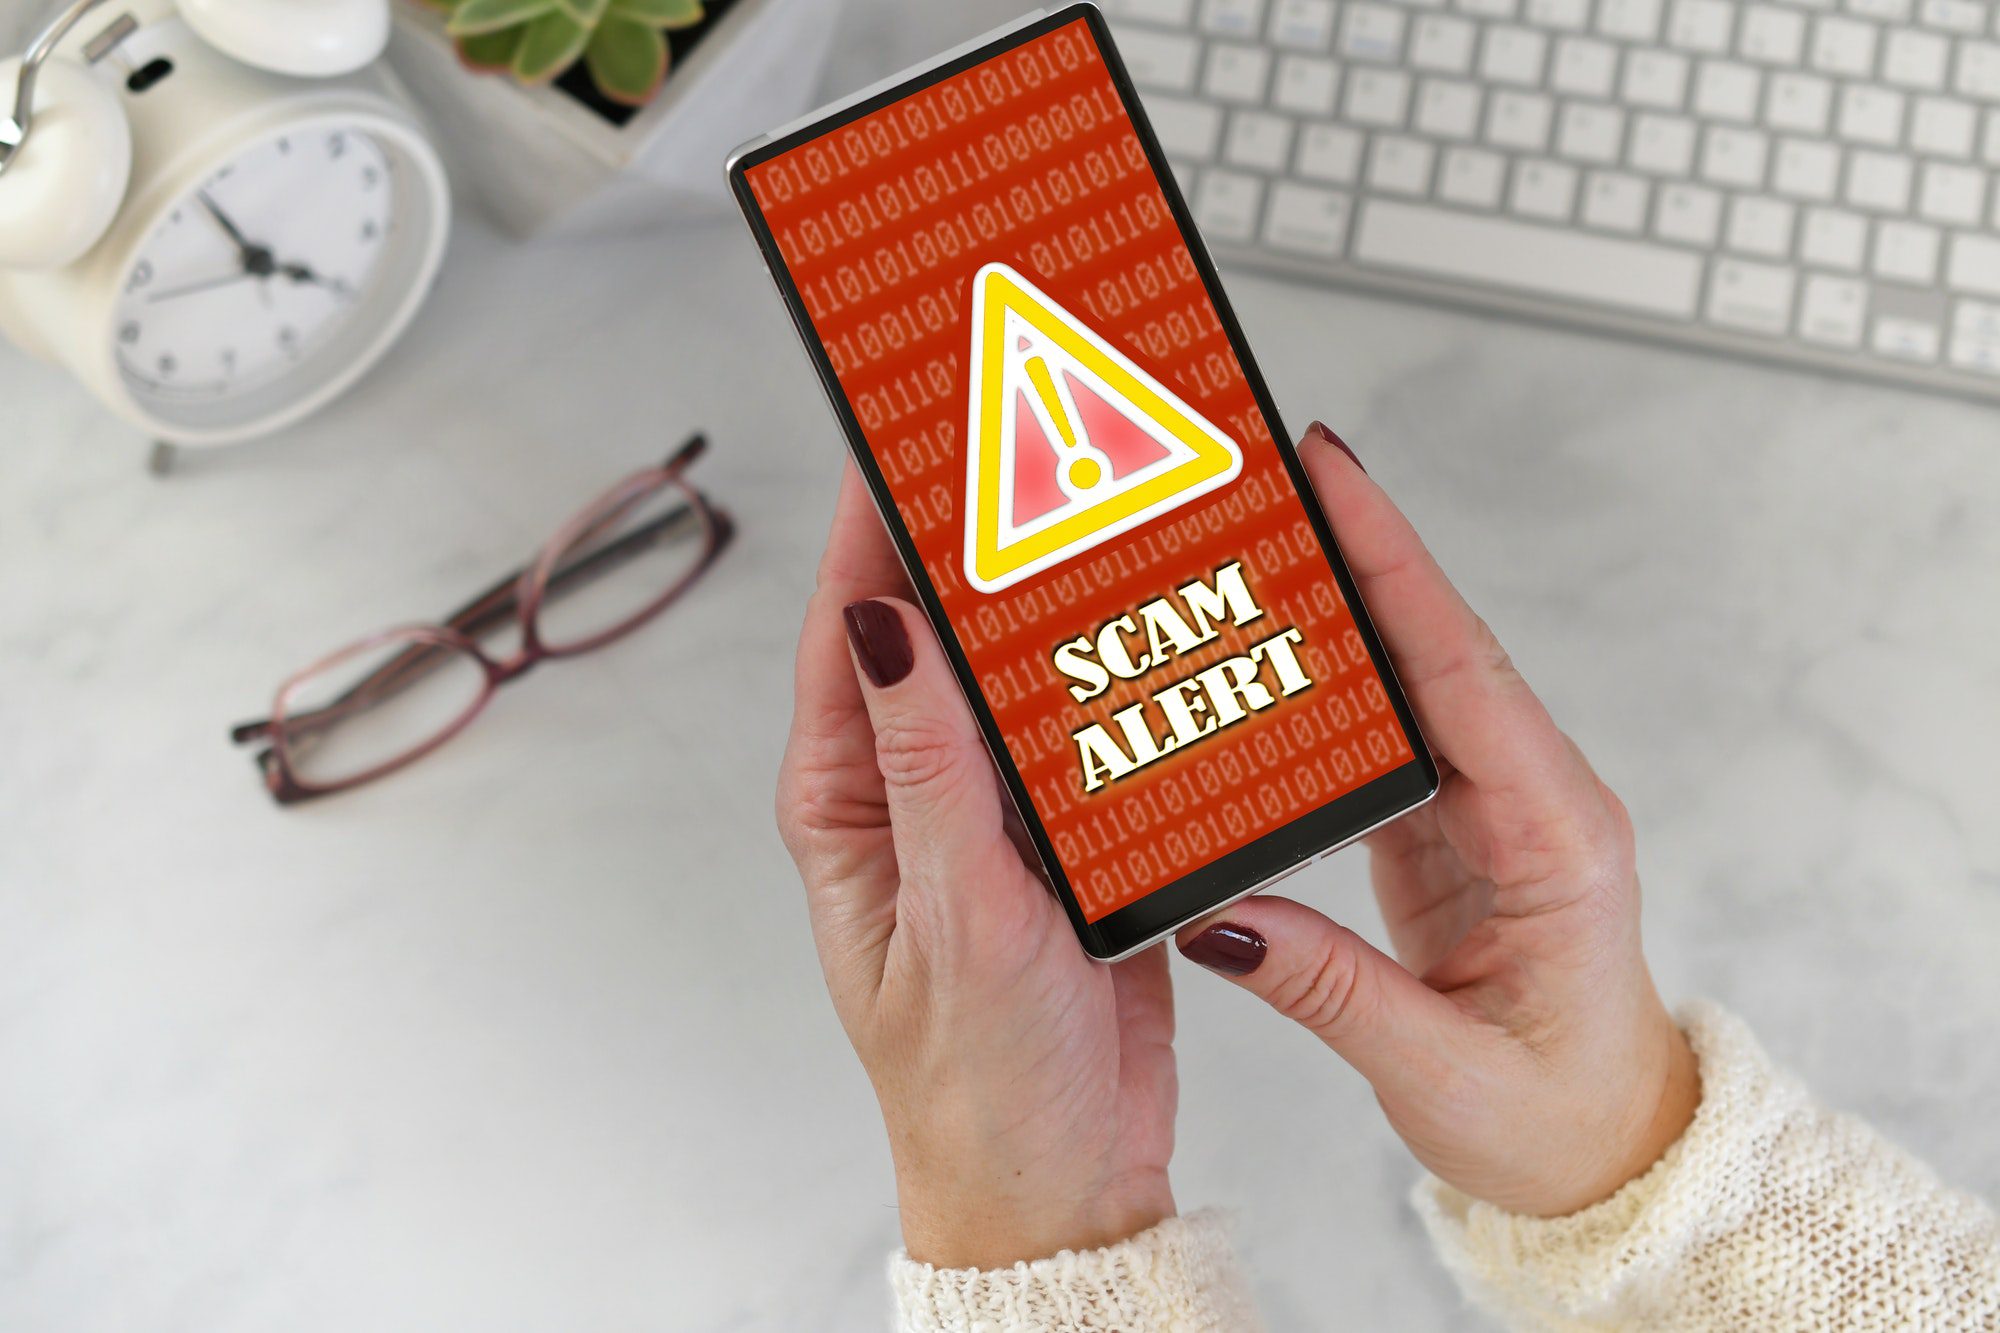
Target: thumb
{"x": 1397, "y": 1032}
{"x": 946, "y": 809}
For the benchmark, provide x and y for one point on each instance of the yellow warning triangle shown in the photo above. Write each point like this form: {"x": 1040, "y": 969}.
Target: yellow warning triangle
{"x": 1068, "y": 442}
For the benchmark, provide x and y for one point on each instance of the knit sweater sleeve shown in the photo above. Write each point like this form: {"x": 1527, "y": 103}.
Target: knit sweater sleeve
{"x": 1770, "y": 1213}
{"x": 1178, "y": 1277}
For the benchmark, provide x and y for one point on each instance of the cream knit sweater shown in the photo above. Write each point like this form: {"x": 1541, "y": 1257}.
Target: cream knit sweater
{"x": 1771, "y": 1213}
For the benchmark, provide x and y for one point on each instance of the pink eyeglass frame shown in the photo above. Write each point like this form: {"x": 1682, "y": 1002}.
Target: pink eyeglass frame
{"x": 519, "y": 595}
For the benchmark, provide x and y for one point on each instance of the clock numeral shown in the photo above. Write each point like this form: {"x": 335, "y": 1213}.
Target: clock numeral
{"x": 129, "y": 332}
{"x": 369, "y": 230}
{"x": 228, "y": 355}
{"x": 284, "y": 145}
{"x": 167, "y": 364}
{"x": 370, "y": 178}
{"x": 288, "y": 339}
{"x": 336, "y": 144}
{"x": 142, "y": 273}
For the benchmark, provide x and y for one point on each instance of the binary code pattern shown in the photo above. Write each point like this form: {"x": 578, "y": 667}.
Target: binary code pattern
{"x": 1031, "y": 159}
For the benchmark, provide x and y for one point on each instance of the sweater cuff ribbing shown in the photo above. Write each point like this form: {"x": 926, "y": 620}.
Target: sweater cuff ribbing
{"x": 1178, "y": 1277}
{"x": 1614, "y": 1256}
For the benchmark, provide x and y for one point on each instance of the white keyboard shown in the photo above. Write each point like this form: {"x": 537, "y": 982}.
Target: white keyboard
{"x": 1811, "y": 180}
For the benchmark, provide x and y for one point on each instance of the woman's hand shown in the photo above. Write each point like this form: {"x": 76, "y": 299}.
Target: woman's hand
{"x": 1028, "y": 1091}
{"x": 1519, "y": 1049}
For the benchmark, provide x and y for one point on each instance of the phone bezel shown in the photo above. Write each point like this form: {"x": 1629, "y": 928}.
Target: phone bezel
{"x": 1275, "y": 854}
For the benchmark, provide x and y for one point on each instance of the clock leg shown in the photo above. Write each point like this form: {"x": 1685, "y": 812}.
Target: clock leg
{"x": 160, "y": 461}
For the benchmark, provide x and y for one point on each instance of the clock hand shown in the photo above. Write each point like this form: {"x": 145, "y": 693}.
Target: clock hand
{"x": 206, "y": 284}
{"x": 255, "y": 258}
{"x": 301, "y": 273}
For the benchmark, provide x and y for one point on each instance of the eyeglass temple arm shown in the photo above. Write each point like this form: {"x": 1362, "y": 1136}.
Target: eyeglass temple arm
{"x": 489, "y": 608}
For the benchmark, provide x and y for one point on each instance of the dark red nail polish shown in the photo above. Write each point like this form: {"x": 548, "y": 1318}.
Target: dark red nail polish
{"x": 881, "y": 644}
{"x": 1319, "y": 431}
{"x": 1234, "y": 950}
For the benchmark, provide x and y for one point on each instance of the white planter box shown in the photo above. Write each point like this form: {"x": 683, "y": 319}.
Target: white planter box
{"x": 542, "y": 163}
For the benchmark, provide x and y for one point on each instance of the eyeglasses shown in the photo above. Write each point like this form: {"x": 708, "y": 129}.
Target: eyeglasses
{"x": 392, "y": 698}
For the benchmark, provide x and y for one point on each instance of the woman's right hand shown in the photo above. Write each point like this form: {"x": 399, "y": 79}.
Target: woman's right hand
{"x": 1519, "y": 1048}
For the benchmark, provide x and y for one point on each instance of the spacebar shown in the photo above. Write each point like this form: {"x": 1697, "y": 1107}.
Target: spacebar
{"x": 1602, "y": 270}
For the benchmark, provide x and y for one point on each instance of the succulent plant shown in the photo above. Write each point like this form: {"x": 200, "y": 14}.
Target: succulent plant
{"x": 621, "y": 42}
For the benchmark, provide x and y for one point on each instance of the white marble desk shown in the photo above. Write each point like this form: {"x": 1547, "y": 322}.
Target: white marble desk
{"x": 532, "y": 1036}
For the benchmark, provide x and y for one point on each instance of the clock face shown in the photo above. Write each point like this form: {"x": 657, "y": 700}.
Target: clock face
{"x": 254, "y": 271}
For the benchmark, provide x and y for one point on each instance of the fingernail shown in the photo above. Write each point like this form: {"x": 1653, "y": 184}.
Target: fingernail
{"x": 1233, "y": 950}
{"x": 881, "y": 644}
{"x": 1318, "y": 431}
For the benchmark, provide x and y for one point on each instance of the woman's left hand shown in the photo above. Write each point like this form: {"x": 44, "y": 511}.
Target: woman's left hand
{"x": 1028, "y": 1090}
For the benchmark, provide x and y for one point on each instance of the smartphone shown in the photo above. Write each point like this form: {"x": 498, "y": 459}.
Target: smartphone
{"x": 1035, "y": 366}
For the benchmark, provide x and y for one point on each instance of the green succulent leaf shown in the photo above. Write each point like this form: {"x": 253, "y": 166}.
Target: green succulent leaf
{"x": 586, "y": 12}
{"x": 490, "y": 52}
{"x": 627, "y": 59}
{"x": 660, "y": 13}
{"x": 549, "y": 46}
{"x": 479, "y": 16}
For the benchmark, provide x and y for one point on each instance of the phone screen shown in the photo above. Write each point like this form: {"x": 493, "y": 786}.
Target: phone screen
{"x": 1051, "y": 389}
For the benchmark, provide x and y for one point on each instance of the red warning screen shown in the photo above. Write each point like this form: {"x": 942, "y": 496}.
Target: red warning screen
{"x": 1043, "y": 380}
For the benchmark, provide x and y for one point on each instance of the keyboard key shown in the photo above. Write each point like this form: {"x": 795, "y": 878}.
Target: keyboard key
{"x": 1448, "y": 108}
{"x": 1975, "y": 337}
{"x": 1160, "y": 59}
{"x": 1303, "y": 25}
{"x": 1878, "y": 181}
{"x": 1502, "y": 252}
{"x": 1907, "y": 252}
{"x": 1377, "y": 96}
{"x": 1584, "y": 67}
{"x": 1834, "y": 239}
{"x": 1519, "y": 120}
{"x": 1951, "y": 194}
{"x": 1689, "y": 214}
{"x": 1974, "y": 265}
{"x": 1871, "y": 115}
{"x": 1907, "y": 339}
{"x": 1400, "y": 165}
{"x": 1734, "y": 157}
{"x": 1756, "y": 298}
{"x": 1724, "y": 90}
{"x": 1307, "y": 219}
{"x": 1225, "y": 205}
{"x": 1943, "y": 127}
{"x": 1953, "y": 15}
{"x": 1590, "y": 133}
{"x": 1992, "y": 150}
{"x": 1172, "y": 13}
{"x": 1330, "y": 153}
{"x": 1760, "y": 226}
{"x": 1701, "y": 26}
{"x": 1236, "y": 73}
{"x": 1615, "y": 201}
{"x": 1771, "y": 35}
{"x": 1543, "y": 189}
{"x": 1843, "y": 46}
{"x": 1833, "y": 310}
{"x": 1567, "y": 15}
{"x": 1663, "y": 145}
{"x": 1629, "y": 20}
{"x": 1372, "y": 32}
{"x": 1186, "y": 129}
{"x": 1259, "y": 140}
{"x": 1979, "y": 70}
{"x": 1805, "y": 169}
{"x": 1914, "y": 59}
{"x": 1306, "y": 85}
{"x": 1443, "y": 43}
{"x": 1471, "y": 177}
{"x": 1513, "y": 55}
{"x": 1232, "y": 18}
{"x": 1656, "y": 78}
{"x": 1799, "y": 102}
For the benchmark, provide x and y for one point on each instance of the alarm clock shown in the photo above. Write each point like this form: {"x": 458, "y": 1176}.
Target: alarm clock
{"x": 216, "y": 214}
